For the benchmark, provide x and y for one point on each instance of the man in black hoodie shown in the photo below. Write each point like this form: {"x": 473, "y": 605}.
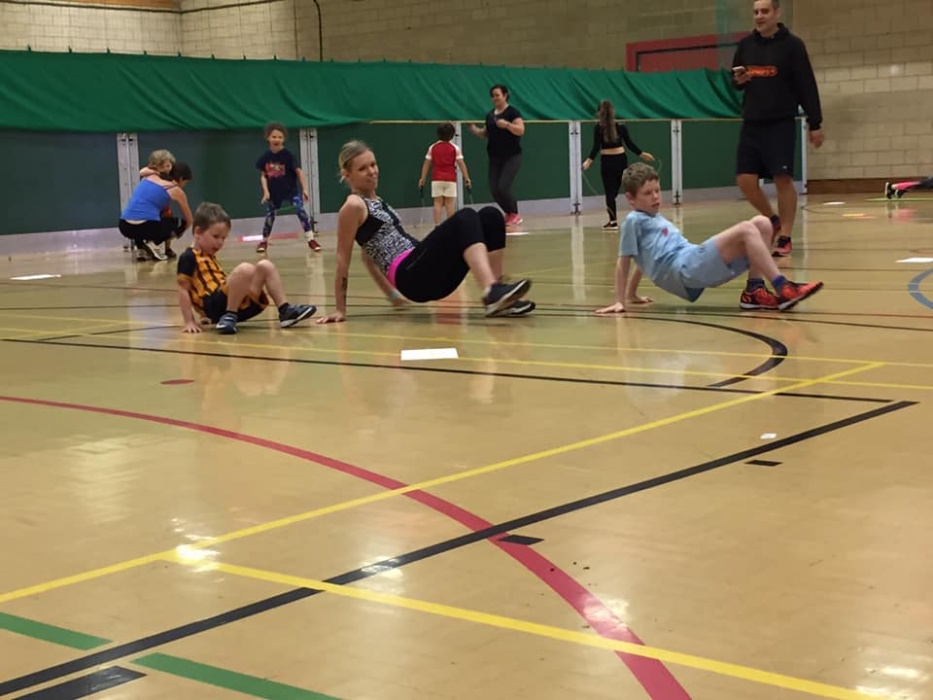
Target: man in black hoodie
{"x": 772, "y": 67}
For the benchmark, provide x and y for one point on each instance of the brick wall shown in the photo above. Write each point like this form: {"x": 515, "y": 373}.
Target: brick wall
{"x": 580, "y": 34}
{"x": 254, "y": 30}
{"x": 130, "y": 29}
{"x": 874, "y": 65}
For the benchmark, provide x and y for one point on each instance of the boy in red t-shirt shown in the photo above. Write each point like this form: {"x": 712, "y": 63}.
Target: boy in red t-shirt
{"x": 446, "y": 158}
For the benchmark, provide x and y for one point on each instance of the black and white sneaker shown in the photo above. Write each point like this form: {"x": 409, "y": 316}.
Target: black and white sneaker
{"x": 888, "y": 190}
{"x": 502, "y": 294}
{"x": 522, "y": 307}
{"x": 296, "y": 313}
{"x": 227, "y": 323}
{"x": 611, "y": 226}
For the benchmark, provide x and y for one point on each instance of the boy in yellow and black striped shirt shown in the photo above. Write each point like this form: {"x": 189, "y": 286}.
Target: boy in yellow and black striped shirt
{"x": 203, "y": 286}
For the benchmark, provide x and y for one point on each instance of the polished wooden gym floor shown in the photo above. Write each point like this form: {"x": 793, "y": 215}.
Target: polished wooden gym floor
{"x": 685, "y": 502}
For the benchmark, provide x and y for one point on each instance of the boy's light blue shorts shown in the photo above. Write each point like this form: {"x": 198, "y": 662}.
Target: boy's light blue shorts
{"x": 701, "y": 267}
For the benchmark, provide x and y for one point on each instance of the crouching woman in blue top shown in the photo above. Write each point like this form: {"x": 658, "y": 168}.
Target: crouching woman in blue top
{"x": 142, "y": 221}
{"x": 419, "y": 271}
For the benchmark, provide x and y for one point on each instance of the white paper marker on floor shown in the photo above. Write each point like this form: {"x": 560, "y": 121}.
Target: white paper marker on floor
{"x": 916, "y": 260}
{"x": 35, "y": 277}
{"x": 430, "y": 354}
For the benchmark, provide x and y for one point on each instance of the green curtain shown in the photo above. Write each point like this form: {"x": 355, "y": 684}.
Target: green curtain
{"x": 117, "y": 92}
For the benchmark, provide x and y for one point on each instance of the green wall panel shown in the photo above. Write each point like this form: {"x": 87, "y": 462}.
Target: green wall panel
{"x": 58, "y": 182}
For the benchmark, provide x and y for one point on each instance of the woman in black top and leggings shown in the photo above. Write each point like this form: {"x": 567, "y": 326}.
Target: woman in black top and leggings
{"x": 503, "y": 133}
{"x": 420, "y": 271}
{"x": 610, "y": 138}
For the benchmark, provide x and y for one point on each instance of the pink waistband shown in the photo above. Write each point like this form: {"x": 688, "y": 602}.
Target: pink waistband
{"x": 393, "y": 267}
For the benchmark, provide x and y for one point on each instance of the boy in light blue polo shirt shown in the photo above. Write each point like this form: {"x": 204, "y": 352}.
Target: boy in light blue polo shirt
{"x": 685, "y": 269}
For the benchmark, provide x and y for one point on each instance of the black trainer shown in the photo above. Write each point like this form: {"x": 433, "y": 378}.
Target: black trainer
{"x": 522, "y": 307}
{"x": 502, "y": 294}
{"x": 296, "y": 313}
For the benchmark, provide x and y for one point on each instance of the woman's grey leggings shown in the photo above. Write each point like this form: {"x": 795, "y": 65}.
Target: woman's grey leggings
{"x": 501, "y": 175}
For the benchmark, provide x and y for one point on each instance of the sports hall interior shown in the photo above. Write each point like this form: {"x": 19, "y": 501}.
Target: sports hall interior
{"x": 682, "y": 501}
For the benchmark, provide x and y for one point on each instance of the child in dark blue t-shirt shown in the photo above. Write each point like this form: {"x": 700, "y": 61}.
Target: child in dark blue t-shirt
{"x": 280, "y": 177}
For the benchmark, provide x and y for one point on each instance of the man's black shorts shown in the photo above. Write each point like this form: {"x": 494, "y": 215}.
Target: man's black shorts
{"x": 767, "y": 149}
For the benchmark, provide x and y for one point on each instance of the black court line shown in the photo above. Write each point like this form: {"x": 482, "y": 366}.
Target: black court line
{"x": 86, "y": 685}
{"x": 521, "y": 539}
{"x": 172, "y": 635}
{"x": 447, "y": 370}
{"x": 850, "y": 324}
{"x": 777, "y": 349}
{"x": 106, "y": 287}
{"x": 763, "y": 463}
{"x": 800, "y": 318}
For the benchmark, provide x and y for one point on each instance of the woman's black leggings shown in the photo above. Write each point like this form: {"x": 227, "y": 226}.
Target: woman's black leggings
{"x": 435, "y": 268}
{"x": 154, "y": 231}
{"x": 611, "y": 168}
{"x": 502, "y": 174}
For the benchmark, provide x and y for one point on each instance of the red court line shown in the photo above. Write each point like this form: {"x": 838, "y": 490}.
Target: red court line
{"x": 654, "y": 677}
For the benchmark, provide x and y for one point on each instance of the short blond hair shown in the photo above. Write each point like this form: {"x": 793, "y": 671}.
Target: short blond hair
{"x": 636, "y": 175}
{"x": 157, "y": 157}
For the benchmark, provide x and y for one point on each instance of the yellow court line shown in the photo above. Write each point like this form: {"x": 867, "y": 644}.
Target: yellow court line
{"x": 885, "y": 385}
{"x": 85, "y": 576}
{"x": 567, "y": 267}
{"x": 430, "y": 483}
{"x": 667, "y": 656}
{"x": 82, "y": 319}
{"x": 626, "y": 348}
{"x": 83, "y": 332}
